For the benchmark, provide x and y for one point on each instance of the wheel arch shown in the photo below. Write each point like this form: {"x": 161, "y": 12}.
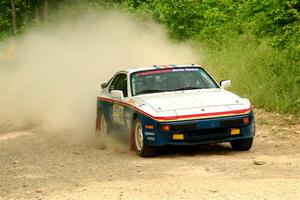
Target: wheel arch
{"x": 132, "y": 141}
{"x": 134, "y": 117}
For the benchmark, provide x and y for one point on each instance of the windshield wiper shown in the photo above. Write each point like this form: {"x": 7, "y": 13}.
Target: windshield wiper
{"x": 149, "y": 91}
{"x": 187, "y": 88}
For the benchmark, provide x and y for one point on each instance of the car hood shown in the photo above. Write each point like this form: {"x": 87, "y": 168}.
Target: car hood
{"x": 194, "y": 101}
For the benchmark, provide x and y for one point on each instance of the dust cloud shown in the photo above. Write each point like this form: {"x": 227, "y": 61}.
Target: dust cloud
{"x": 53, "y": 75}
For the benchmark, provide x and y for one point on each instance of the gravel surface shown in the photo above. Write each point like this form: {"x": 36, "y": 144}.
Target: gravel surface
{"x": 40, "y": 164}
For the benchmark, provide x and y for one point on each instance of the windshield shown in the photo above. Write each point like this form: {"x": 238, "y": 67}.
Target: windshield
{"x": 175, "y": 79}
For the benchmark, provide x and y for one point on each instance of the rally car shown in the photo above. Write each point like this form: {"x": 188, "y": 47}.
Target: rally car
{"x": 173, "y": 105}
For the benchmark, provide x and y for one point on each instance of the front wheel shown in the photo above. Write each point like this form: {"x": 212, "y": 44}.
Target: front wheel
{"x": 242, "y": 144}
{"x": 141, "y": 148}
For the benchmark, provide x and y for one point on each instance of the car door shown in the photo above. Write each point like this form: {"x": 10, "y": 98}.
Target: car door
{"x": 119, "y": 83}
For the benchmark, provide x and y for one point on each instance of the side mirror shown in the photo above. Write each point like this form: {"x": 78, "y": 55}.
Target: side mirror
{"x": 117, "y": 94}
{"x": 104, "y": 85}
{"x": 225, "y": 84}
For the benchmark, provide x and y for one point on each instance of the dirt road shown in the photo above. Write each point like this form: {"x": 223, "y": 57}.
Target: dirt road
{"x": 39, "y": 164}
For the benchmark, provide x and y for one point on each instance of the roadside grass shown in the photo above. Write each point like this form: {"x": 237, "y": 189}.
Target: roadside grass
{"x": 269, "y": 77}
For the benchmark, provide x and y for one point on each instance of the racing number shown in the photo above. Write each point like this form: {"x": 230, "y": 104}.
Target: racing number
{"x": 118, "y": 114}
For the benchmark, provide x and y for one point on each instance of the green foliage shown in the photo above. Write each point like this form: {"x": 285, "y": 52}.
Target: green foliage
{"x": 5, "y": 11}
{"x": 209, "y": 19}
{"x": 187, "y": 18}
{"x": 267, "y": 76}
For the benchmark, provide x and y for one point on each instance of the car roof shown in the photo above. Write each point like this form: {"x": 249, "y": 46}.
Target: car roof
{"x": 137, "y": 69}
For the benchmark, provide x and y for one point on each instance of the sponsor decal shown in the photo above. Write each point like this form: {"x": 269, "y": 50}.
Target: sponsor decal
{"x": 151, "y": 138}
{"x": 141, "y": 105}
{"x": 133, "y": 83}
{"x": 118, "y": 113}
{"x": 127, "y": 115}
{"x": 178, "y": 70}
{"x": 131, "y": 101}
{"x": 164, "y": 70}
{"x": 185, "y": 70}
{"x": 153, "y": 72}
{"x": 191, "y": 69}
{"x": 148, "y": 133}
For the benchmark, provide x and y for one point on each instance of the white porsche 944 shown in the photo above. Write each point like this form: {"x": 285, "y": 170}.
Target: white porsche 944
{"x": 173, "y": 105}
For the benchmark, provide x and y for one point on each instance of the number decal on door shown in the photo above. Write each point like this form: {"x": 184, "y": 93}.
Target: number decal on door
{"x": 118, "y": 114}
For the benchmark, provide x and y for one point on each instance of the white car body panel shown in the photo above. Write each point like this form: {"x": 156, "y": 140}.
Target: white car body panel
{"x": 181, "y": 103}
{"x": 193, "y": 102}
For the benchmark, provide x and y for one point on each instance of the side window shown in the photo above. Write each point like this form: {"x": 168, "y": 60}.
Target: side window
{"x": 119, "y": 83}
{"x": 114, "y": 82}
{"x": 123, "y": 86}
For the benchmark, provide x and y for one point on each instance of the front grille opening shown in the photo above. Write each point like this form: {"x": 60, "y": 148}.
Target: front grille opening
{"x": 208, "y": 135}
{"x": 183, "y": 127}
{"x": 232, "y": 123}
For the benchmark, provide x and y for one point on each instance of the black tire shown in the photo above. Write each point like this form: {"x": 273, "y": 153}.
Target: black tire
{"x": 242, "y": 144}
{"x": 141, "y": 148}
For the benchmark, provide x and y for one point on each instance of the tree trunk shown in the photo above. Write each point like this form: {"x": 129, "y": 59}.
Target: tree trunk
{"x": 25, "y": 12}
{"x": 37, "y": 10}
{"x": 46, "y": 11}
{"x": 14, "y": 16}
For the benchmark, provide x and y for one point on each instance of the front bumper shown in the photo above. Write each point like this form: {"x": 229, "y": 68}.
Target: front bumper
{"x": 202, "y": 131}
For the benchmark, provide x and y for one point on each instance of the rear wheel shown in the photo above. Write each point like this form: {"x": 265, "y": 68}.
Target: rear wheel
{"x": 141, "y": 148}
{"x": 242, "y": 144}
{"x": 102, "y": 131}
